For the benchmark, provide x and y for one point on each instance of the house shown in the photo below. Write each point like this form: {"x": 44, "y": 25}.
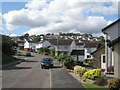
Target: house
{"x": 77, "y": 55}
{"x": 63, "y": 45}
{"x": 91, "y": 47}
{"x": 99, "y": 58}
{"x": 112, "y": 47}
{"x": 29, "y": 45}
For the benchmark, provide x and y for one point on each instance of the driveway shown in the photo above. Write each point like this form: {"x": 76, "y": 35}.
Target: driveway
{"x": 28, "y": 74}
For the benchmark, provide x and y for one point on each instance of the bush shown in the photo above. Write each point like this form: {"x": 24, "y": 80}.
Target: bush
{"x": 94, "y": 74}
{"x": 61, "y": 57}
{"x": 79, "y": 63}
{"x": 114, "y": 83}
{"x": 110, "y": 68}
{"x": 45, "y": 53}
{"x": 88, "y": 63}
{"x": 79, "y": 70}
{"x": 69, "y": 63}
{"x": 84, "y": 79}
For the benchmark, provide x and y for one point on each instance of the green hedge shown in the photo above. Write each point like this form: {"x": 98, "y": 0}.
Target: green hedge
{"x": 79, "y": 70}
{"x": 94, "y": 74}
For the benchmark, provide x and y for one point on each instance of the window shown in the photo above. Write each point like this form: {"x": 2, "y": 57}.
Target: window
{"x": 58, "y": 47}
{"x": 88, "y": 56}
{"x": 103, "y": 59}
{"x": 65, "y": 53}
{"x": 66, "y": 47}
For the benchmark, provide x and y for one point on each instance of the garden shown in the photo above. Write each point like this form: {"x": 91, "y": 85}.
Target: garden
{"x": 90, "y": 78}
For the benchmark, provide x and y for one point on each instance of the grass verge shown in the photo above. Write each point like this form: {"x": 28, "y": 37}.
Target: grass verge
{"x": 7, "y": 59}
{"x": 93, "y": 86}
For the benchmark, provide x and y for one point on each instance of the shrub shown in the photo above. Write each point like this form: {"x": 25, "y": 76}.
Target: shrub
{"x": 94, "y": 74}
{"x": 45, "y": 53}
{"x": 79, "y": 63}
{"x": 79, "y": 70}
{"x": 68, "y": 62}
{"x": 88, "y": 63}
{"x": 60, "y": 57}
{"x": 110, "y": 68}
{"x": 114, "y": 83}
{"x": 84, "y": 79}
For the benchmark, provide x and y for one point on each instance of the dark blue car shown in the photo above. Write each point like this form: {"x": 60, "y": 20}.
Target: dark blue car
{"x": 46, "y": 62}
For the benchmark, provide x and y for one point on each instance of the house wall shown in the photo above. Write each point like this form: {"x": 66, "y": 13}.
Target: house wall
{"x": 113, "y": 31}
{"x": 63, "y": 48}
{"x": 88, "y": 52}
{"x": 72, "y": 46}
{"x": 26, "y": 44}
{"x": 116, "y": 53}
{"x": 97, "y": 58}
{"x": 108, "y": 53}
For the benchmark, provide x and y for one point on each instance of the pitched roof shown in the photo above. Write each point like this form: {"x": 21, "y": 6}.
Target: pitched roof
{"x": 82, "y": 42}
{"x": 103, "y": 47}
{"x": 93, "y": 44}
{"x": 77, "y": 52}
{"x": 61, "y": 41}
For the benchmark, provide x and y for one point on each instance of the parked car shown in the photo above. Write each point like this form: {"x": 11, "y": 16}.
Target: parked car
{"x": 46, "y": 62}
{"x": 28, "y": 54}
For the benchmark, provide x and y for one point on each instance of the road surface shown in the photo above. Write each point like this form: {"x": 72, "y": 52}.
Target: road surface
{"x": 28, "y": 74}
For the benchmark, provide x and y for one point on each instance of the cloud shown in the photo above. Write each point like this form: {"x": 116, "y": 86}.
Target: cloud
{"x": 24, "y": 17}
{"x": 60, "y": 16}
{"x": 11, "y": 35}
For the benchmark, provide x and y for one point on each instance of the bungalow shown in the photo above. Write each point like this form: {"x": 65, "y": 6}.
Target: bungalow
{"x": 112, "y": 46}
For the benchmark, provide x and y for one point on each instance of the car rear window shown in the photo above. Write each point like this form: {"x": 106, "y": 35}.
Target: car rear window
{"x": 47, "y": 59}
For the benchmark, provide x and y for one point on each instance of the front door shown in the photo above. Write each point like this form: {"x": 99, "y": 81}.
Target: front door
{"x": 103, "y": 63}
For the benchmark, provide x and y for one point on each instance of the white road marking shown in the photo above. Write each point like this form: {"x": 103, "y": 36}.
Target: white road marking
{"x": 50, "y": 79}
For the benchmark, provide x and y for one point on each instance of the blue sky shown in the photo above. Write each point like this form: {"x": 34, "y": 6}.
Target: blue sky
{"x": 10, "y": 6}
{"x": 50, "y": 20}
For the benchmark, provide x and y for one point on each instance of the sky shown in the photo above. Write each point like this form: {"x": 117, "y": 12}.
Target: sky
{"x": 54, "y": 16}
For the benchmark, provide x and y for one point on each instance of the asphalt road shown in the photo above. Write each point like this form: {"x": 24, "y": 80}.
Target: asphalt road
{"x": 28, "y": 74}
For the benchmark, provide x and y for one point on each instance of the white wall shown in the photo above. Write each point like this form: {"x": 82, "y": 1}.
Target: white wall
{"x": 112, "y": 31}
{"x": 26, "y": 44}
{"x": 88, "y": 53}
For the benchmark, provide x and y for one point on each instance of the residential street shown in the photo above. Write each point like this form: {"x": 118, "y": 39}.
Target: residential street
{"x": 28, "y": 74}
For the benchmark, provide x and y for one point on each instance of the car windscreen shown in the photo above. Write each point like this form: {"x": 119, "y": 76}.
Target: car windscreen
{"x": 47, "y": 59}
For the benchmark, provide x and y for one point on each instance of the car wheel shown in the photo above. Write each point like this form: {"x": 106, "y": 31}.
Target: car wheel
{"x": 42, "y": 67}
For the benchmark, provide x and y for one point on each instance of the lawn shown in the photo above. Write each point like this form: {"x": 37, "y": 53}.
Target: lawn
{"x": 7, "y": 59}
{"x": 93, "y": 86}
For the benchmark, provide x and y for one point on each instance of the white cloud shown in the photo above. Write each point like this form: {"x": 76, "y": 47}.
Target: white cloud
{"x": 60, "y": 16}
{"x": 11, "y": 35}
{"x": 24, "y": 17}
{"x": 109, "y": 22}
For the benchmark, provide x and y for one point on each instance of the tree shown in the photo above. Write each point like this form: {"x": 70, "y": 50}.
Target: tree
{"x": 48, "y": 34}
{"x": 36, "y": 38}
{"x": 8, "y": 45}
{"x": 26, "y": 35}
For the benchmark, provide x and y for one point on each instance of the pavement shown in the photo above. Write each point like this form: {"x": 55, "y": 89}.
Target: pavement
{"x": 28, "y": 74}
